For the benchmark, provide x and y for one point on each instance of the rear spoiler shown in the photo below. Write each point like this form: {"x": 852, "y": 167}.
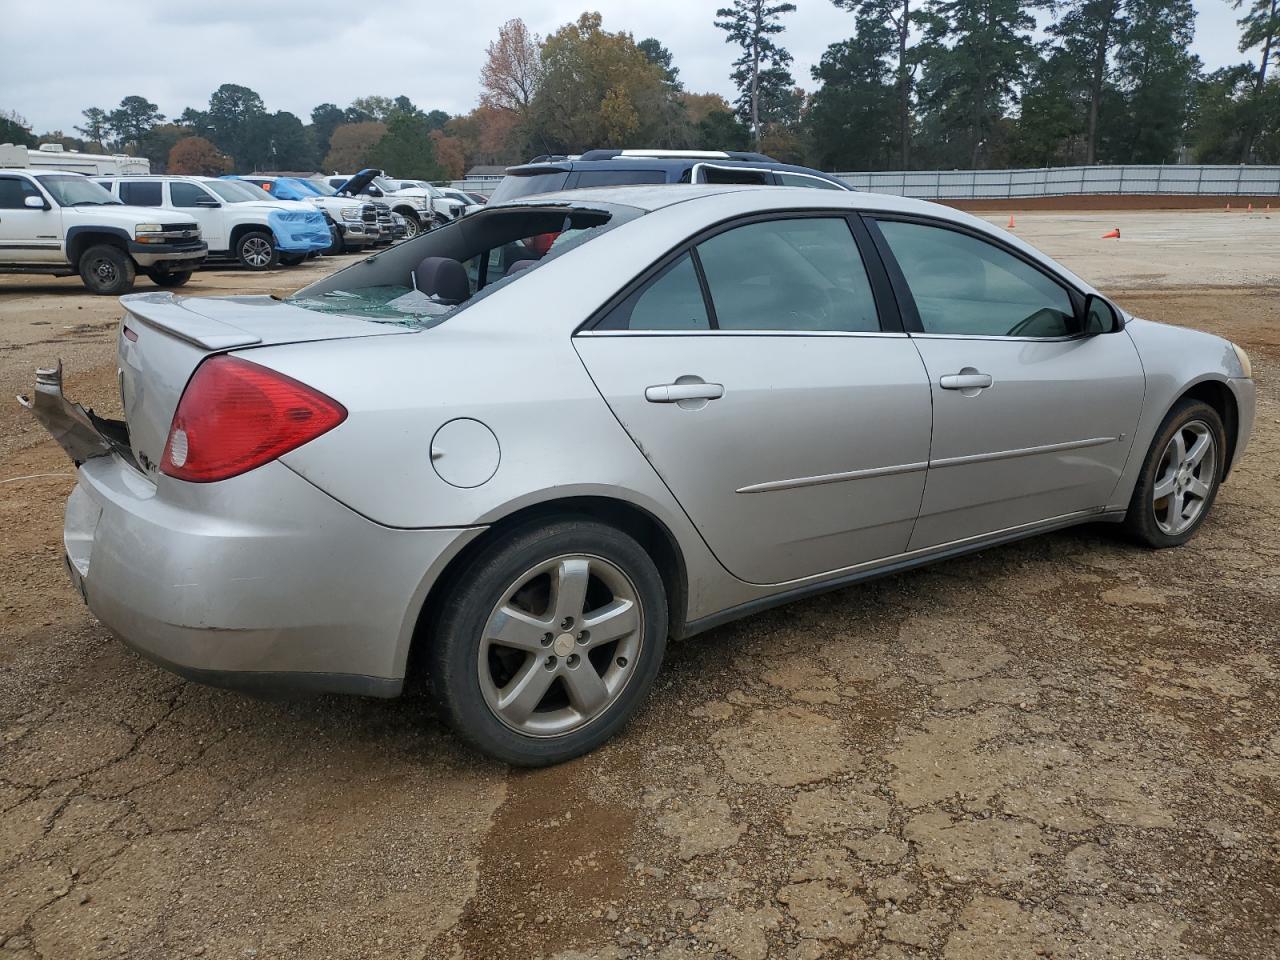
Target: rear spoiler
{"x": 164, "y": 312}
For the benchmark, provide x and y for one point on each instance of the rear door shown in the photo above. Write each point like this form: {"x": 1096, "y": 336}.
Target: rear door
{"x": 28, "y": 234}
{"x": 762, "y": 372}
{"x": 1033, "y": 414}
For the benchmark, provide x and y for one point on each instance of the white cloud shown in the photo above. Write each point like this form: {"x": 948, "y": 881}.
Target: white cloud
{"x": 57, "y": 59}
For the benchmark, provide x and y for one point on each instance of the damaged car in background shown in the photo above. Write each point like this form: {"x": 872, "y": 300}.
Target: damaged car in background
{"x": 518, "y": 453}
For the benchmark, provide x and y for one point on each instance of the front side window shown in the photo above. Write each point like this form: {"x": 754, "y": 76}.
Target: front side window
{"x": 141, "y": 194}
{"x": 72, "y": 190}
{"x": 14, "y": 192}
{"x": 789, "y": 275}
{"x": 670, "y": 301}
{"x": 968, "y": 287}
{"x": 185, "y": 194}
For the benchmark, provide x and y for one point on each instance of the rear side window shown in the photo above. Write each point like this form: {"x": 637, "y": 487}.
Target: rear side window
{"x": 616, "y": 178}
{"x": 968, "y": 287}
{"x": 185, "y": 194}
{"x": 142, "y": 194}
{"x": 797, "y": 274}
{"x": 671, "y": 301}
{"x": 14, "y": 192}
{"x": 513, "y": 186}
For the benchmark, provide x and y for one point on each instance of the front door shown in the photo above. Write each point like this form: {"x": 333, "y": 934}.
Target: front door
{"x": 1033, "y": 417}
{"x": 28, "y": 234}
{"x": 204, "y": 208}
{"x": 753, "y": 372}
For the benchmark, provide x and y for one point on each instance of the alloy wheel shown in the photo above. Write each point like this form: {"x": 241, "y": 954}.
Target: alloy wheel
{"x": 256, "y": 252}
{"x": 561, "y": 645}
{"x": 411, "y": 228}
{"x": 1185, "y": 478}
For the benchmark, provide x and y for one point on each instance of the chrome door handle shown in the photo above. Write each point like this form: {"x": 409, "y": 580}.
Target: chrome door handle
{"x": 675, "y": 392}
{"x": 965, "y": 381}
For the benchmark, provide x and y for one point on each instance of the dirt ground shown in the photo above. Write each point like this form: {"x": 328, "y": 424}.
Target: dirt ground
{"x": 1063, "y": 748}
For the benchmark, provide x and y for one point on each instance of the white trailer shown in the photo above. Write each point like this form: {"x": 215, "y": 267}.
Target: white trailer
{"x": 54, "y": 156}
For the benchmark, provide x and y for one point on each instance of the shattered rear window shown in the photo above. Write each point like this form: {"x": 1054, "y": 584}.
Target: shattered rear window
{"x": 385, "y": 304}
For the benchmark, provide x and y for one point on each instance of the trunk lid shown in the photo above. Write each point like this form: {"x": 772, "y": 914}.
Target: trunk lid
{"x": 163, "y": 338}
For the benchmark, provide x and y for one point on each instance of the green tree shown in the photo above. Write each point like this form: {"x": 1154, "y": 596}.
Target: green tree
{"x": 1154, "y": 76}
{"x": 1217, "y": 124}
{"x": 15, "y": 129}
{"x": 158, "y": 143}
{"x": 1050, "y": 128}
{"x": 324, "y": 119}
{"x": 661, "y": 58}
{"x": 1261, "y": 28}
{"x": 406, "y": 150}
{"x": 233, "y": 122}
{"x": 721, "y": 130}
{"x": 976, "y": 59}
{"x": 760, "y": 71}
{"x": 351, "y": 146}
{"x": 375, "y": 107}
{"x": 597, "y": 89}
{"x": 436, "y": 119}
{"x": 133, "y": 119}
{"x": 96, "y": 127}
{"x": 1090, "y": 31}
{"x": 853, "y": 122}
{"x": 278, "y": 141}
{"x": 903, "y": 21}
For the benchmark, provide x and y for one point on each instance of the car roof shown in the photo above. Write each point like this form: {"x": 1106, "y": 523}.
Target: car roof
{"x": 669, "y": 161}
{"x": 649, "y": 197}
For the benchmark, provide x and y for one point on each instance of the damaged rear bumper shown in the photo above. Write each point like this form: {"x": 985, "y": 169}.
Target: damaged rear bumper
{"x": 261, "y": 582}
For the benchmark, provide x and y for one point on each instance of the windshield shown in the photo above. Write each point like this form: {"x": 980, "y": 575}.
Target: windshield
{"x": 233, "y": 192}
{"x": 424, "y": 282}
{"x": 513, "y": 186}
{"x": 385, "y": 185}
{"x": 252, "y": 189}
{"x": 319, "y": 189}
{"x": 74, "y": 191}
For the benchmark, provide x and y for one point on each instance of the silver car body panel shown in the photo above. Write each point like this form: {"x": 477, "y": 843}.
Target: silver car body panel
{"x": 318, "y": 564}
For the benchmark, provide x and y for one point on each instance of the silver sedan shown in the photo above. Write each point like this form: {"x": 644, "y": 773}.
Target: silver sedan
{"x": 519, "y": 453}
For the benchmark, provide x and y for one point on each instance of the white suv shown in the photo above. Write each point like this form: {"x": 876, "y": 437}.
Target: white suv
{"x": 60, "y": 223}
{"x": 258, "y": 234}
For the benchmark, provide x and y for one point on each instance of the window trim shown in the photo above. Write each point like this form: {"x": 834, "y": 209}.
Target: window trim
{"x": 829, "y": 184}
{"x": 906, "y": 299}
{"x": 887, "y": 311}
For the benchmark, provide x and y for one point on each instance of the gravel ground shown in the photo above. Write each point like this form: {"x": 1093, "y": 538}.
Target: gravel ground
{"x": 1063, "y": 748}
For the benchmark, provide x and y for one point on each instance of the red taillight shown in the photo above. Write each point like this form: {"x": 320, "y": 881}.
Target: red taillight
{"x": 235, "y": 415}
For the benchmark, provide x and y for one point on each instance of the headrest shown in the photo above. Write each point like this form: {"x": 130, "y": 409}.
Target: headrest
{"x": 520, "y": 265}
{"x": 443, "y": 278}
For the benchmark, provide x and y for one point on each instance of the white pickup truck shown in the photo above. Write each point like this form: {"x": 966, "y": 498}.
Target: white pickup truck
{"x": 257, "y": 234}
{"x": 421, "y": 204}
{"x": 60, "y": 223}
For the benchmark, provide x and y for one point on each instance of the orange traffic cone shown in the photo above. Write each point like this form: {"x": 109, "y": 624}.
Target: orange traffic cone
{"x": 1012, "y": 225}
{"x": 1250, "y": 210}
{"x": 1113, "y": 235}
{"x": 1228, "y": 210}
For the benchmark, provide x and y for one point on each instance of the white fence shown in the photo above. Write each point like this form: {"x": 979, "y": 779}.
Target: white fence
{"x": 1183, "y": 179}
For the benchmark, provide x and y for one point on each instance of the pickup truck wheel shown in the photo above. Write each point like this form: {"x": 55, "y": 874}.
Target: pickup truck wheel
{"x": 256, "y": 250}
{"x": 439, "y": 219}
{"x": 169, "y": 278}
{"x": 106, "y": 270}
{"x": 411, "y": 226}
{"x": 338, "y": 246}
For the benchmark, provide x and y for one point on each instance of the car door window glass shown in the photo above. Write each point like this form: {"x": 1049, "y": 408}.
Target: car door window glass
{"x": 804, "y": 180}
{"x": 618, "y": 178}
{"x": 14, "y": 192}
{"x": 966, "y": 286}
{"x": 797, "y": 274}
{"x": 671, "y": 301}
{"x": 145, "y": 193}
{"x": 186, "y": 194}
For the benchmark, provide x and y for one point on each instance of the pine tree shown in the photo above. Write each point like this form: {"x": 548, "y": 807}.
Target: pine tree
{"x": 760, "y": 72}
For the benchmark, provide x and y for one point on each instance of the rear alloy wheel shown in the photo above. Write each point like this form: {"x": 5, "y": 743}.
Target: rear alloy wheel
{"x": 107, "y": 270}
{"x": 256, "y": 250}
{"x": 169, "y": 278}
{"x": 1180, "y": 476}
{"x": 549, "y": 641}
{"x": 411, "y": 226}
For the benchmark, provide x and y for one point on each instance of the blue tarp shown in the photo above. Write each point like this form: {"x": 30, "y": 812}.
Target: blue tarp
{"x": 299, "y": 231}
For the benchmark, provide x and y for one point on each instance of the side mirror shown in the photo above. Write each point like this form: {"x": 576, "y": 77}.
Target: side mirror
{"x": 1100, "y": 316}
{"x": 207, "y": 202}
{"x": 35, "y": 203}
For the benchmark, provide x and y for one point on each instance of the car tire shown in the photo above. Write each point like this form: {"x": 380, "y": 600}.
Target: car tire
{"x": 1180, "y": 476}
{"x": 504, "y": 628}
{"x": 440, "y": 220}
{"x": 107, "y": 270}
{"x": 256, "y": 250}
{"x": 169, "y": 278}
{"x": 412, "y": 226}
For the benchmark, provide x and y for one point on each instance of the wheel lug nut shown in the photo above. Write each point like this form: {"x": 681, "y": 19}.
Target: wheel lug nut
{"x": 572, "y": 660}
{"x": 549, "y": 663}
{"x": 546, "y": 639}
{"x": 621, "y": 661}
{"x": 566, "y": 623}
{"x": 584, "y": 636}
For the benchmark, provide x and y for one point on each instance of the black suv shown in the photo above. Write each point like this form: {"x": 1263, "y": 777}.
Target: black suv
{"x": 614, "y": 168}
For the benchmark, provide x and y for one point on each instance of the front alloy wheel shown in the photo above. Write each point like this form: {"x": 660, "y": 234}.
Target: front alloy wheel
{"x": 548, "y": 640}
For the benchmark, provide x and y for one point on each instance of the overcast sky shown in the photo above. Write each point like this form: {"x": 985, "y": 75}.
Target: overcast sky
{"x": 59, "y": 56}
